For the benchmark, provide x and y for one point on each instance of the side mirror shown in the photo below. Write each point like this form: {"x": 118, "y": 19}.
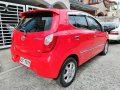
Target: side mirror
{"x": 106, "y": 29}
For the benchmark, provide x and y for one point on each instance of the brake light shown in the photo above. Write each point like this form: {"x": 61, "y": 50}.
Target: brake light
{"x": 49, "y": 43}
{"x": 12, "y": 33}
{"x": 114, "y": 33}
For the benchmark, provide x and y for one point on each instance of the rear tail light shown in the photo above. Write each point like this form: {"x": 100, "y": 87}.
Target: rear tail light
{"x": 114, "y": 33}
{"x": 12, "y": 34}
{"x": 49, "y": 43}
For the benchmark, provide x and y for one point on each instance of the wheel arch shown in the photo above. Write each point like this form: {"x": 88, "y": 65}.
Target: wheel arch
{"x": 75, "y": 56}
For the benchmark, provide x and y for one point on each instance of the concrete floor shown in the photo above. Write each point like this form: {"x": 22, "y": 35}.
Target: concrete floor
{"x": 100, "y": 73}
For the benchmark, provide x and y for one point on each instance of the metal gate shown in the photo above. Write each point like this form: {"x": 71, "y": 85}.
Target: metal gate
{"x": 9, "y": 16}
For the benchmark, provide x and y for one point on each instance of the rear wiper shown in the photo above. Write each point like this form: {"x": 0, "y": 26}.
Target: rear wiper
{"x": 25, "y": 32}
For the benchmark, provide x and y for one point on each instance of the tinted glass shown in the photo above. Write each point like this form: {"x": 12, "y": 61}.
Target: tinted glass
{"x": 93, "y": 24}
{"x": 72, "y": 20}
{"x": 36, "y": 22}
{"x": 81, "y": 21}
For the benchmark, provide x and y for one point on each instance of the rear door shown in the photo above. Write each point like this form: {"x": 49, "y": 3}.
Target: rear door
{"x": 29, "y": 35}
{"x": 83, "y": 36}
{"x": 99, "y": 36}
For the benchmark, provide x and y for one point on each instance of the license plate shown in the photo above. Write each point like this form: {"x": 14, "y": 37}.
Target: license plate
{"x": 25, "y": 62}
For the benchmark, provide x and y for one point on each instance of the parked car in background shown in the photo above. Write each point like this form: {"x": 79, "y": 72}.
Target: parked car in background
{"x": 53, "y": 42}
{"x": 113, "y": 30}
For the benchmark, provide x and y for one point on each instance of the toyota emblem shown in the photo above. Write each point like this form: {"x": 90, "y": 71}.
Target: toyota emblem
{"x": 23, "y": 38}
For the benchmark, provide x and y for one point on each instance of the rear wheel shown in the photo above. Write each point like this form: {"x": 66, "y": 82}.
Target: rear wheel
{"x": 68, "y": 72}
{"x": 105, "y": 50}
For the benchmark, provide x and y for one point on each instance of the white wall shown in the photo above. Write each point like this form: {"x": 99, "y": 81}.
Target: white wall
{"x": 66, "y": 2}
{"x": 101, "y": 7}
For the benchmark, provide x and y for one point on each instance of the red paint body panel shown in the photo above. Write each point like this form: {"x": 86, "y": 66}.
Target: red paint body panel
{"x": 49, "y": 64}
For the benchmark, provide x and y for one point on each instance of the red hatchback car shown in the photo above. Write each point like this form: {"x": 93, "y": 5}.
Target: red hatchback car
{"x": 53, "y": 42}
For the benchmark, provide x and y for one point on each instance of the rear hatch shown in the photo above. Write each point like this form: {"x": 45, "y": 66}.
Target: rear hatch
{"x": 28, "y": 37}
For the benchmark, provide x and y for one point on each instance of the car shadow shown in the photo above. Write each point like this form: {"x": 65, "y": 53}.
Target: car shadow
{"x": 86, "y": 65}
{"x": 113, "y": 42}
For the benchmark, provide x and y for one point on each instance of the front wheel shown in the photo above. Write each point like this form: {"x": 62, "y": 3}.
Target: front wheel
{"x": 118, "y": 41}
{"x": 105, "y": 50}
{"x": 68, "y": 72}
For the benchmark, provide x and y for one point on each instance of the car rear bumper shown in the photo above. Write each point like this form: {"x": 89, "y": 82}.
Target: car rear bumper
{"x": 44, "y": 65}
{"x": 114, "y": 37}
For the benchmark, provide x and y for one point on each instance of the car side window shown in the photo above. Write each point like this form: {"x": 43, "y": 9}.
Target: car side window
{"x": 93, "y": 24}
{"x": 78, "y": 21}
{"x": 81, "y": 21}
{"x": 72, "y": 20}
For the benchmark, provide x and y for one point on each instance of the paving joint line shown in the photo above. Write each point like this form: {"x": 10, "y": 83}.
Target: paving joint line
{"x": 10, "y": 70}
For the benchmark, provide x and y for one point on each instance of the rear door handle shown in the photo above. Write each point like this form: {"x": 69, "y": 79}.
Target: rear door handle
{"x": 77, "y": 37}
{"x": 95, "y": 36}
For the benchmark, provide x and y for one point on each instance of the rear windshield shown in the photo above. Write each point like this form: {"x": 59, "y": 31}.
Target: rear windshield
{"x": 36, "y": 22}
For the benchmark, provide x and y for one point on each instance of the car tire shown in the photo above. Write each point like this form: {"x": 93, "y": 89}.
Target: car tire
{"x": 105, "y": 50}
{"x": 118, "y": 41}
{"x": 68, "y": 72}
